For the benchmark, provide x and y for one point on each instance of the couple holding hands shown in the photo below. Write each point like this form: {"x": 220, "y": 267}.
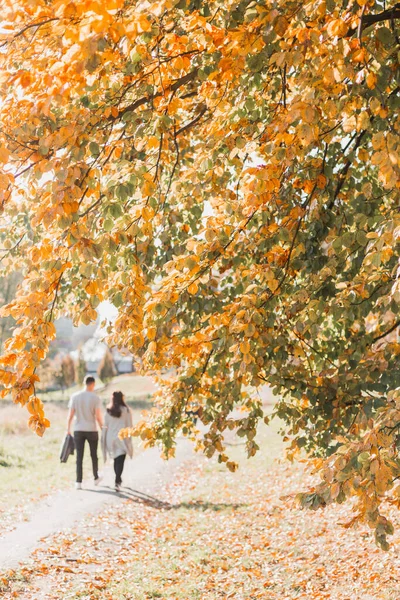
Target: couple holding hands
{"x": 86, "y": 412}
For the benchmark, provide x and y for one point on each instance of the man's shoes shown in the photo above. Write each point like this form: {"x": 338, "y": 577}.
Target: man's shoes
{"x": 78, "y": 486}
{"x": 97, "y": 481}
{"x": 117, "y": 487}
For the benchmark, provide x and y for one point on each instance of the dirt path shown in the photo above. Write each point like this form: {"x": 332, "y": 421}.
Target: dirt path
{"x": 144, "y": 477}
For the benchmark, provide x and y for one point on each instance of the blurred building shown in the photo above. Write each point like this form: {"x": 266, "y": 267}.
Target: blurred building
{"x": 93, "y": 351}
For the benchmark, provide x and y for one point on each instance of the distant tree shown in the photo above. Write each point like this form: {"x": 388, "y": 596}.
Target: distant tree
{"x": 45, "y": 372}
{"x": 106, "y": 369}
{"x": 68, "y": 369}
{"x": 64, "y": 374}
{"x": 80, "y": 368}
{"x": 58, "y": 375}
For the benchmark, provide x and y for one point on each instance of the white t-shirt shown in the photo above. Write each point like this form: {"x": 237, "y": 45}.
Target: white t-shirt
{"x": 85, "y": 404}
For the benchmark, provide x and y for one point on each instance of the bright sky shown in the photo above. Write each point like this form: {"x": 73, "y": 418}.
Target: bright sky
{"x": 107, "y": 311}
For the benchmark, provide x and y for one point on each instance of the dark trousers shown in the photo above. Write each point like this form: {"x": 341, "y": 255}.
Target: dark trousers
{"x": 119, "y": 467}
{"x": 79, "y": 438}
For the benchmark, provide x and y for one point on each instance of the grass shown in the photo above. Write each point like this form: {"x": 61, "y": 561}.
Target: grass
{"x": 30, "y": 466}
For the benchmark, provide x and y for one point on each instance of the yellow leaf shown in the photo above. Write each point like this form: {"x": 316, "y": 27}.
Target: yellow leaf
{"x": 309, "y": 114}
{"x": 148, "y": 188}
{"x": 25, "y": 79}
{"x": 152, "y": 347}
{"x": 193, "y": 288}
{"x": 147, "y": 213}
{"x": 143, "y": 24}
{"x": 153, "y": 142}
{"x": 337, "y": 28}
{"x": 245, "y": 347}
{"x": 360, "y": 55}
{"x": 91, "y": 288}
{"x": 321, "y": 181}
{"x": 371, "y": 79}
{"x": 273, "y": 285}
{"x": 232, "y": 466}
{"x": 4, "y": 154}
{"x": 349, "y": 124}
{"x": 280, "y": 26}
{"x": 151, "y": 333}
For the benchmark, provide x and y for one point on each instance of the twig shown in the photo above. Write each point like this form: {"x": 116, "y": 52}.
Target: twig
{"x": 193, "y": 122}
{"x": 22, "y": 31}
{"x": 91, "y": 207}
{"x": 146, "y": 99}
{"x": 360, "y": 24}
{"x": 159, "y": 156}
{"x": 9, "y": 250}
{"x": 385, "y": 333}
{"x": 344, "y": 171}
{"x": 55, "y": 297}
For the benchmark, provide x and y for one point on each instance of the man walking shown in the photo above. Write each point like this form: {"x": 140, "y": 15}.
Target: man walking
{"x": 85, "y": 406}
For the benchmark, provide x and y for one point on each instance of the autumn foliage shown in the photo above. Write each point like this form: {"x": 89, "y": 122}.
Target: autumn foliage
{"x": 226, "y": 174}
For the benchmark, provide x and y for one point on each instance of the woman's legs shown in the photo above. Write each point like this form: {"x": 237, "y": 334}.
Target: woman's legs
{"x": 118, "y": 468}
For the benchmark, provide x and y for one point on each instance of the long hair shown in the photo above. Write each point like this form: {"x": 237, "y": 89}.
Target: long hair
{"x": 117, "y": 402}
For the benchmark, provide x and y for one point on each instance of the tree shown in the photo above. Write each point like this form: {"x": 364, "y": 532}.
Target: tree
{"x": 106, "y": 369}
{"x": 227, "y": 175}
{"x": 64, "y": 372}
{"x": 47, "y": 372}
{"x": 68, "y": 369}
{"x": 80, "y": 368}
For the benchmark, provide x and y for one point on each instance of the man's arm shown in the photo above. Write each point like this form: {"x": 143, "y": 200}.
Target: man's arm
{"x": 99, "y": 416}
{"x": 69, "y": 419}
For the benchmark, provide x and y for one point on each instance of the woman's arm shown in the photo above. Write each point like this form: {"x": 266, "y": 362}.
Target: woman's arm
{"x": 128, "y": 423}
{"x": 128, "y": 417}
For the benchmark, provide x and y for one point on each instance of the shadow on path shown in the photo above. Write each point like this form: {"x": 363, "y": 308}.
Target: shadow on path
{"x": 132, "y": 495}
{"x": 137, "y": 496}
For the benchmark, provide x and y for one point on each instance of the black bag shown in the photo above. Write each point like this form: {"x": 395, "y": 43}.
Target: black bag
{"x": 67, "y": 448}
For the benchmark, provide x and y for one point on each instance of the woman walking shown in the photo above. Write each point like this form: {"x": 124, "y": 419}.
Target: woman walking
{"x": 117, "y": 417}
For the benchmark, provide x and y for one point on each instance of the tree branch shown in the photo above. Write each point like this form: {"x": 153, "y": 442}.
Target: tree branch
{"x": 386, "y": 15}
{"x": 91, "y": 207}
{"x": 22, "y": 31}
{"x": 146, "y": 99}
{"x": 192, "y": 123}
{"x": 55, "y": 297}
{"x": 344, "y": 171}
{"x": 367, "y": 20}
{"x": 385, "y": 333}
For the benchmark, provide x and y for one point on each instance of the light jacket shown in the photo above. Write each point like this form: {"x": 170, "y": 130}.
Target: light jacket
{"x": 111, "y": 445}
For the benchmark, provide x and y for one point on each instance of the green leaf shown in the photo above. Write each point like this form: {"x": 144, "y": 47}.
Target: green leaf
{"x": 94, "y": 149}
{"x": 385, "y": 36}
{"x": 108, "y": 225}
{"x": 118, "y": 300}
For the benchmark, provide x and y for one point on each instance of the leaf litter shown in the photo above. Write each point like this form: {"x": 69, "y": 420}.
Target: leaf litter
{"x": 217, "y": 535}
